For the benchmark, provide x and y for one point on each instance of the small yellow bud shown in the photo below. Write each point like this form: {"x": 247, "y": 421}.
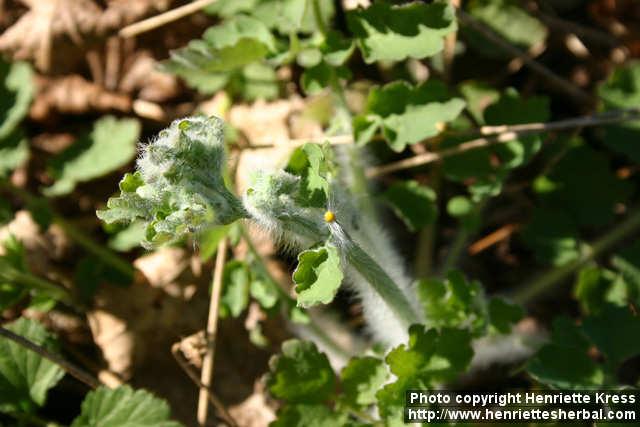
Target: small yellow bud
{"x": 329, "y": 216}
{"x": 441, "y": 126}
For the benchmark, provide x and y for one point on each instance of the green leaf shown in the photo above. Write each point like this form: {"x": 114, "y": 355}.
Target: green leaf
{"x": 564, "y": 363}
{"x": 312, "y": 163}
{"x": 415, "y": 204}
{"x": 406, "y": 114}
{"x": 622, "y": 90}
{"x": 301, "y": 374}
{"x": 14, "y": 151}
{"x": 319, "y": 77}
{"x": 111, "y": 145}
{"x": 361, "y": 379}
{"x": 26, "y": 377}
{"x": 596, "y": 287}
{"x": 209, "y": 239}
{"x": 565, "y": 368}
{"x": 265, "y": 292}
{"x": 235, "y": 289}
{"x": 509, "y": 21}
{"x": 257, "y": 81}
{"x": 553, "y": 236}
{"x": 318, "y": 275}
{"x": 293, "y": 16}
{"x": 309, "y": 416}
{"x": 123, "y": 407}
{"x": 454, "y": 302}
{"x": 430, "y": 358}
{"x": 583, "y": 185}
{"x": 16, "y": 93}
{"x": 229, "y": 46}
{"x": 129, "y": 204}
{"x": 128, "y": 238}
{"x": 485, "y": 169}
{"x": 479, "y": 96}
{"x": 614, "y": 330}
{"x": 385, "y": 32}
{"x": 503, "y": 314}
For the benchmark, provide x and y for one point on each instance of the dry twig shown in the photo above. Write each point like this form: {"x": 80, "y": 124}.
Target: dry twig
{"x": 505, "y": 133}
{"x": 212, "y": 327}
{"x": 164, "y": 18}
{"x": 70, "y": 368}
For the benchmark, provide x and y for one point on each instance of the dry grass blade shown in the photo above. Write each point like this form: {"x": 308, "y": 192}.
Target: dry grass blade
{"x": 164, "y": 18}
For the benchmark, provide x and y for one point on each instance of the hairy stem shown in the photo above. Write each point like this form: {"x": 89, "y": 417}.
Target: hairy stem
{"x": 548, "y": 280}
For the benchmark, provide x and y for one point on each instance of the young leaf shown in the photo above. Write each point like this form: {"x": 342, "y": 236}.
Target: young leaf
{"x": 16, "y": 92}
{"x": 301, "y": 374}
{"x": 385, "y": 32}
{"x": 179, "y": 187}
{"x": 293, "y": 16}
{"x": 123, "y": 407}
{"x": 312, "y": 163}
{"x": 415, "y": 204}
{"x": 361, "y": 379}
{"x": 111, "y": 145}
{"x": 597, "y": 287}
{"x": 318, "y": 276}
{"x": 235, "y": 289}
{"x": 26, "y": 377}
{"x": 406, "y": 114}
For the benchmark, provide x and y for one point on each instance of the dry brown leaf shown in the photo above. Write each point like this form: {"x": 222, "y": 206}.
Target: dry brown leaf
{"x": 254, "y": 410}
{"x": 167, "y": 300}
{"x": 74, "y": 95}
{"x": 48, "y": 23}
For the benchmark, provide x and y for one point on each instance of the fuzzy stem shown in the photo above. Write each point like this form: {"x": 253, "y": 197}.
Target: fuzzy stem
{"x": 379, "y": 280}
{"x": 547, "y": 280}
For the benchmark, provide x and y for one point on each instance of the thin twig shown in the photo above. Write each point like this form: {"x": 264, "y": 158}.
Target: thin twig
{"x": 548, "y": 280}
{"x": 164, "y": 18}
{"x": 493, "y": 238}
{"x": 215, "y": 401}
{"x": 506, "y": 133}
{"x": 206, "y": 374}
{"x": 560, "y": 82}
{"x": 68, "y": 367}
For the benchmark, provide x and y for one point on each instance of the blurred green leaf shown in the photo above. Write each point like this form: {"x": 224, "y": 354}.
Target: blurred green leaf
{"x": 503, "y": 314}
{"x": 622, "y": 90}
{"x": 111, "y": 145}
{"x": 583, "y": 185}
{"x": 415, "y": 204}
{"x": 14, "y": 151}
{"x": 16, "y": 92}
{"x": 123, "y": 407}
{"x": 361, "y": 379}
{"x": 318, "y": 276}
{"x": 301, "y": 374}
{"x": 25, "y": 376}
{"x": 265, "y": 292}
{"x": 430, "y": 358}
{"x": 614, "y": 330}
{"x": 293, "y": 16}
{"x": 509, "y": 20}
{"x": 454, "y": 302}
{"x": 302, "y": 415}
{"x": 596, "y": 287}
{"x": 552, "y": 235}
{"x": 385, "y": 32}
{"x": 235, "y": 289}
